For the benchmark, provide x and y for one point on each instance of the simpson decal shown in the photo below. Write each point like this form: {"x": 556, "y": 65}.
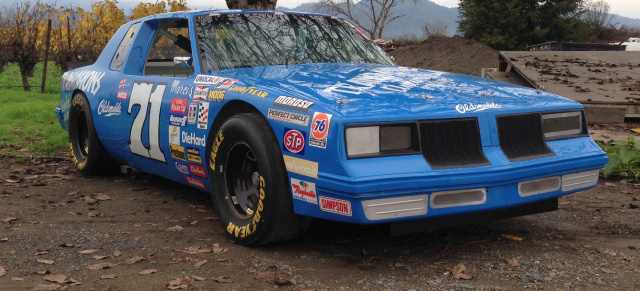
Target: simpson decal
{"x": 319, "y": 130}
{"x": 293, "y": 103}
{"x": 179, "y": 105}
{"x": 294, "y": 141}
{"x": 193, "y": 113}
{"x": 198, "y": 170}
{"x": 201, "y": 92}
{"x": 303, "y": 190}
{"x": 177, "y": 152}
{"x": 289, "y": 117}
{"x": 194, "y": 155}
{"x": 174, "y": 135}
{"x": 336, "y": 206}
{"x": 203, "y": 115}
{"x": 300, "y": 166}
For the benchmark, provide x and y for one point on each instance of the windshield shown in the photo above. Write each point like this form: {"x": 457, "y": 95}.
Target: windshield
{"x": 260, "y": 39}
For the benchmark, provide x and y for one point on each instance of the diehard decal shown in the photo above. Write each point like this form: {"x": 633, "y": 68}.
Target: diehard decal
{"x": 303, "y": 190}
{"x": 319, "y": 130}
{"x": 107, "y": 109}
{"x": 203, "y": 115}
{"x": 337, "y": 206}
{"x": 201, "y": 92}
{"x": 178, "y": 120}
{"x": 194, "y": 155}
{"x": 179, "y": 105}
{"x": 192, "y": 139}
{"x": 174, "y": 135}
{"x": 294, "y": 141}
{"x": 177, "y": 152}
{"x": 193, "y": 113}
{"x": 462, "y": 108}
{"x": 290, "y": 117}
{"x": 300, "y": 166}
{"x": 293, "y": 103}
{"x": 122, "y": 95}
{"x": 195, "y": 182}
{"x": 198, "y": 170}
{"x": 179, "y": 89}
{"x": 216, "y": 96}
{"x": 182, "y": 167}
{"x": 248, "y": 90}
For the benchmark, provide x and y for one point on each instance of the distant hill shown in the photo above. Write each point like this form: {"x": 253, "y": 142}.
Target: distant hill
{"x": 413, "y": 21}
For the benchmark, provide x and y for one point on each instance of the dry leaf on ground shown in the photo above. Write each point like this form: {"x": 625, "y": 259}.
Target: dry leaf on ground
{"x": 180, "y": 283}
{"x": 43, "y": 272}
{"x": 133, "y": 260}
{"x": 10, "y": 219}
{"x": 175, "y": 228}
{"x": 87, "y": 252}
{"x": 199, "y": 263}
{"x": 100, "y": 257}
{"x": 281, "y": 281}
{"x": 94, "y": 213}
{"x": 218, "y": 250}
{"x": 264, "y": 275}
{"x": 68, "y": 245}
{"x": 42, "y": 287}
{"x": 513, "y": 262}
{"x": 100, "y": 196}
{"x": 58, "y": 278}
{"x": 117, "y": 254}
{"x": 147, "y": 271}
{"x": 458, "y": 272}
{"x": 2, "y": 271}
{"x": 511, "y": 237}
{"x": 40, "y": 253}
{"x": 101, "y": 266}
{"x": 108, "y": 276}
{"x": 223, "y": 279}
{"x": 46, "y": 262}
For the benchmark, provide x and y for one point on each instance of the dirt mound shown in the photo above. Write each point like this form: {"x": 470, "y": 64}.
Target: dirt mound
{"x": 450, "y": 54}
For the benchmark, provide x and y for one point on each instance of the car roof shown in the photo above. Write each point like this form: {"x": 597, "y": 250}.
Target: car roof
{"x": 190, "y": 13}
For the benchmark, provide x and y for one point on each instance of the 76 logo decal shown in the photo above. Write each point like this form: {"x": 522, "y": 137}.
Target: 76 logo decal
{"x": 319, "y": 130}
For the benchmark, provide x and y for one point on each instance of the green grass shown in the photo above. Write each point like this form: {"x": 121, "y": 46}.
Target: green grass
{"x": 28, "y": 126}
{"x": 12, "y": 77}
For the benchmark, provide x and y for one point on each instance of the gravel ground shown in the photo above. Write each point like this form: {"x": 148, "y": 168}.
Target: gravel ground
{"x": 141, "y": 232}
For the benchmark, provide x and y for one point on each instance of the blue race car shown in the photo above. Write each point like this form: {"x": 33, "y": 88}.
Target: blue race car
{"x": 287, "y": 116}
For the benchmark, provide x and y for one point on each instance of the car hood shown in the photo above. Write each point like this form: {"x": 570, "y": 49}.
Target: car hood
{"x": 370, "y": 90}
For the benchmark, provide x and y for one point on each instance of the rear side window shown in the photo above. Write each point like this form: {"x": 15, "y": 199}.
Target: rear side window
{"x": 123, "y": 49}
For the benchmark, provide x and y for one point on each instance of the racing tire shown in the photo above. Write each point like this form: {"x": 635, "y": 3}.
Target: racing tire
{"x": 87, "y": 151}
{"x": 249, "y": 183}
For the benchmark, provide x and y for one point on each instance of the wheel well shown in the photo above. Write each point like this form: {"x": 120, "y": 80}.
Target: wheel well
{"x": 232, "y": 108}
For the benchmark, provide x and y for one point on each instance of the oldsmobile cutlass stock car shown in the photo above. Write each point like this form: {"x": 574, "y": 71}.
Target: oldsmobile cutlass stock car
{"x": 287, "y": 116}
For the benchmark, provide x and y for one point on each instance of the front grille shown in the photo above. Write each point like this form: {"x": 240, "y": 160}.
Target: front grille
{"x": 452, "y": 143}
{"x": 521, "y": 137}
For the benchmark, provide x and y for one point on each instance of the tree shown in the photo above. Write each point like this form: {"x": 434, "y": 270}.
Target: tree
{"x": 252, "y": 4}
{"x": 436, "y": 27}
{"x": 377, "y": 13}
{"x": 596, "y": 15}
{"x": 512, "y": 24}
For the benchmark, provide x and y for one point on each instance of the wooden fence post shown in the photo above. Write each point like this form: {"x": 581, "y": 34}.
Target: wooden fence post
{"x": 46, "y": 56}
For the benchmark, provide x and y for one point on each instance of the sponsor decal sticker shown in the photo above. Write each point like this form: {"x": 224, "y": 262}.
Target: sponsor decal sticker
{"x": 174, "y": 135}
{"x": 225, "y": 83}
{"x": 178, "y": 120}
{"x": 179, "y": 105}
{"x": 177, "y": 152}
{"x": 198, "y": 170}
{"x": 470, "y": 107}
{"x": 179, "y": 89}
{"x": 122, "y": 84}
{"x": 203, "y": 115}
{"x": 122, "y": 95}
{"x": 219, "y": 82}
{"x": 300, "y": 166}
{"x": 200, "y": 94}
{"x": 182, "y": 167}
{"x": 293, "y": 103}
{"x": 290, "y": 117}
{"x": 107, "y": 109}
{"x": 248, "y": 90}
{"x": 303, "y": 190}
{"x": 195, "y": 182}
{"x": 194, "y": 155}
{"x": 389, "y": 79}
{"x": 87, "y": 81}
{"x": 333, "y": 205}
{"x": 192, "y": 139}
{"x": 319, "y": 130}
{"x": 294, "y": 141}
{"x": 193, "y": 113}
{"x": 216, "y": 96}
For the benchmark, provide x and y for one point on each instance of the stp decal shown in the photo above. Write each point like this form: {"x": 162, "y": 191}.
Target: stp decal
{"x": 303, "y": 190}
{"x": 294, "y": 141}
{"x": 336, "y": 206}
{"x": 319, "y": 130}
{"x": 203, "y": 115}
{"x": 179, "y": 105}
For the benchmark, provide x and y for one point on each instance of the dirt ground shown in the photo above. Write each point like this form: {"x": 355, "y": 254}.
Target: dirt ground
{"x": 141, "y": 232}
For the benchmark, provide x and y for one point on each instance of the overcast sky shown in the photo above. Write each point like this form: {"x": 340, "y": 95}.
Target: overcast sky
{"x": 627, "y": 8}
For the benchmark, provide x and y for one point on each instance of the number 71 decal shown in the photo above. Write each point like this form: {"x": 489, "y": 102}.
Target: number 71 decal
{"x": 142, "y": 95}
